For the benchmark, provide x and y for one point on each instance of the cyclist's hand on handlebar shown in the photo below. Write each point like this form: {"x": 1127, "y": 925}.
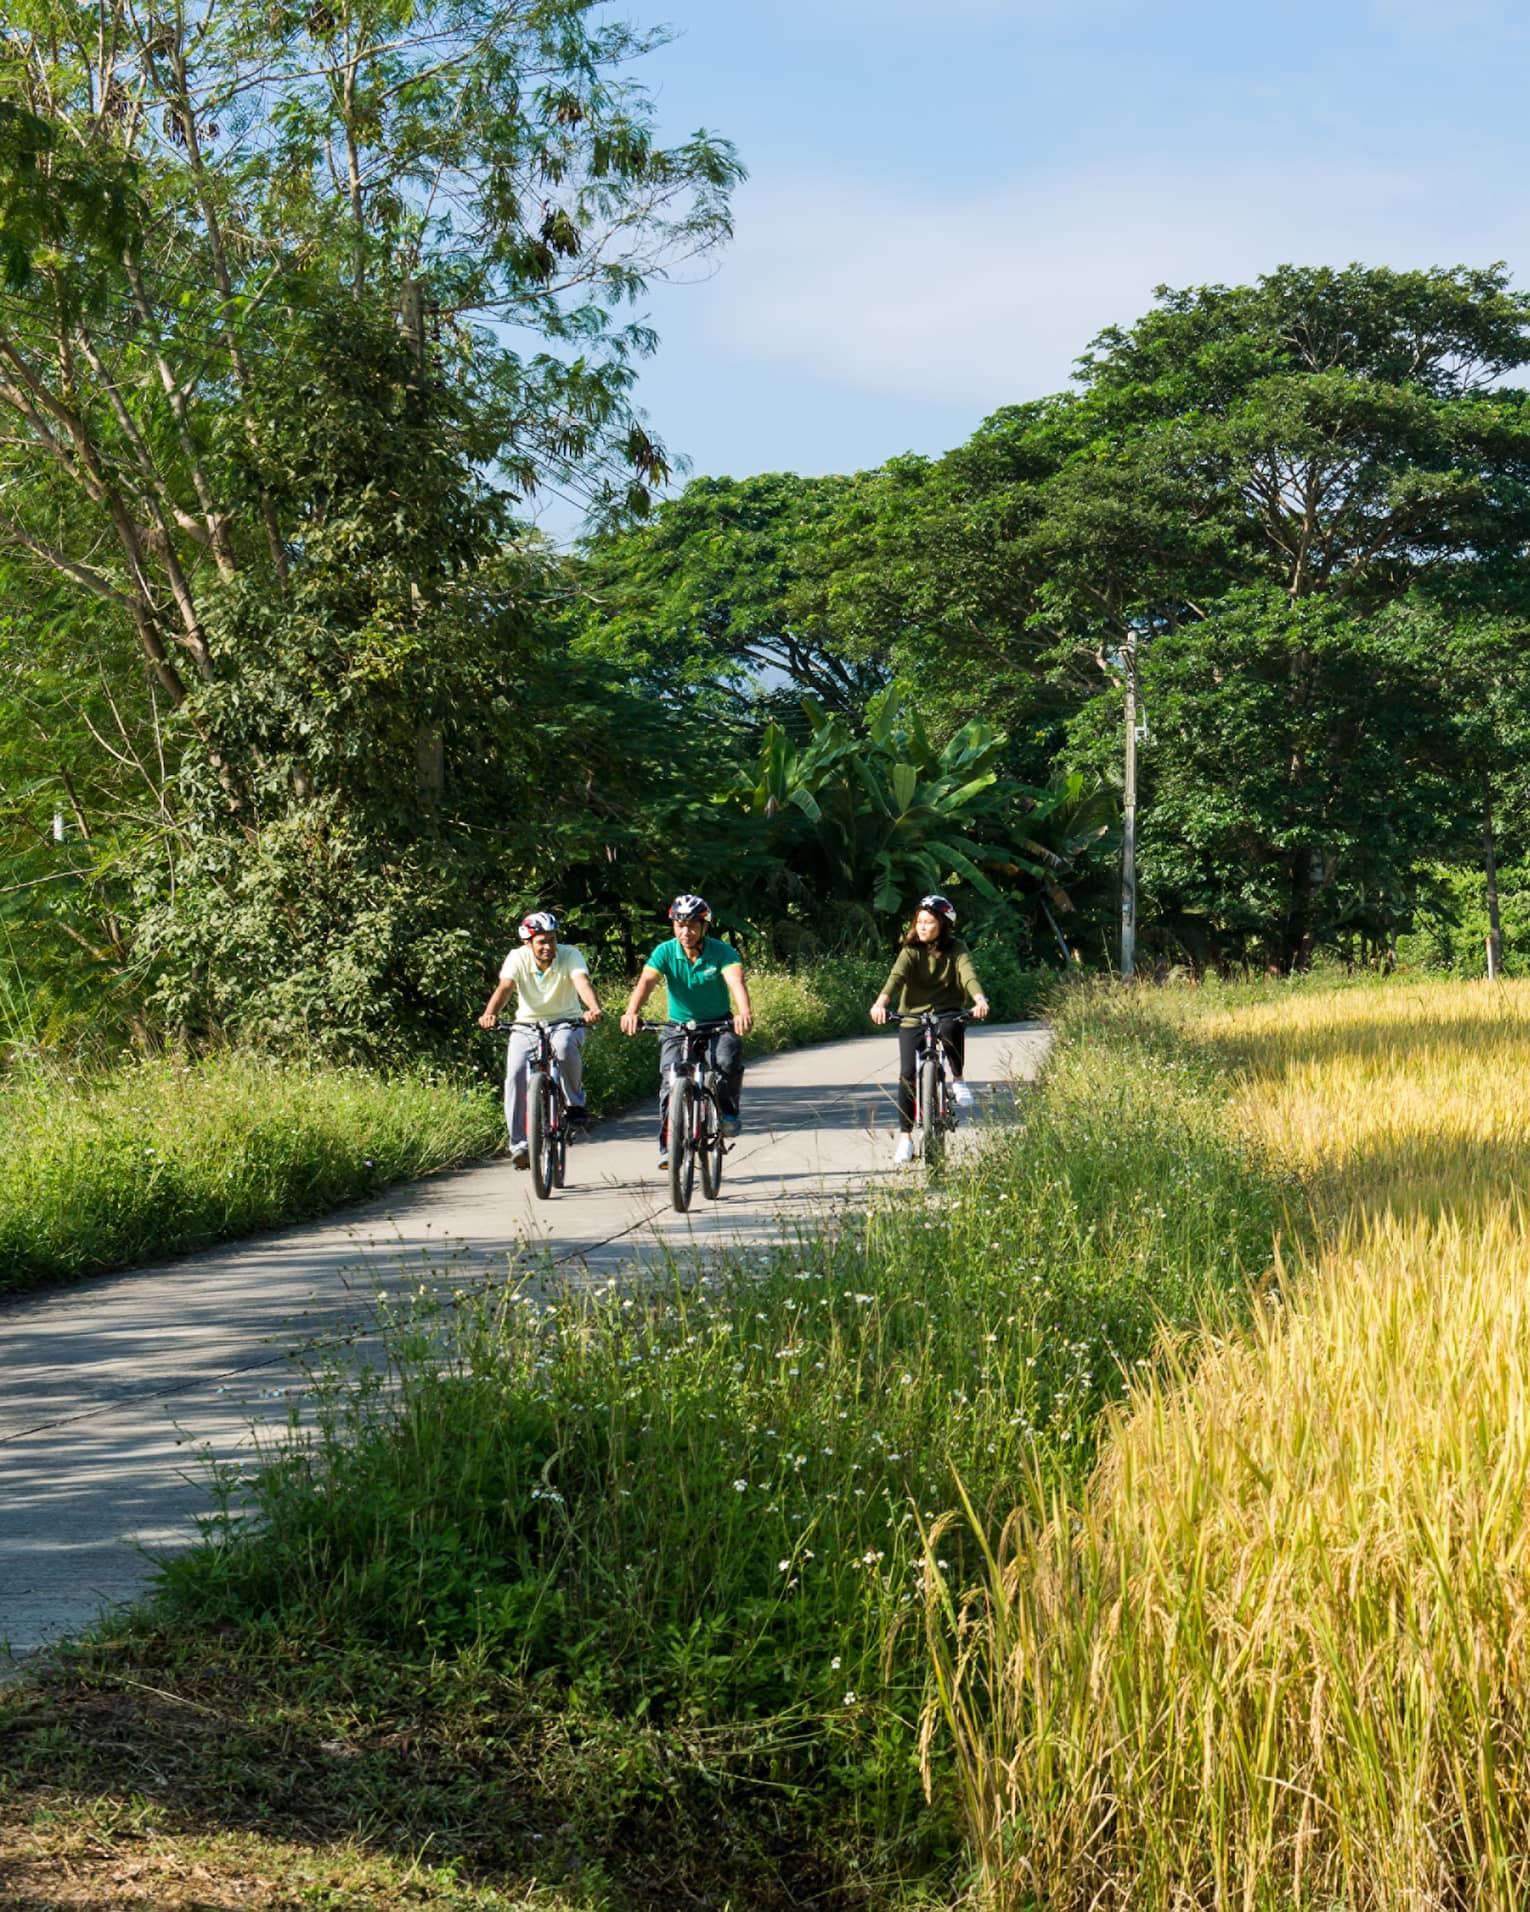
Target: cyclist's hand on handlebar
{"x": 980, "y": 1007}
{"x": 594, "y": 1015}
{"x": 631, "y": 1022}
{"x": 743, "y": 1022}
{"x": 487, "y": 1020}
{"x": 879, "y": 1011}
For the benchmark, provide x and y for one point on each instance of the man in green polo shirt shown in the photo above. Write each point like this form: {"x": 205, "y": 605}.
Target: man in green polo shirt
{"x": 704, "y": 978}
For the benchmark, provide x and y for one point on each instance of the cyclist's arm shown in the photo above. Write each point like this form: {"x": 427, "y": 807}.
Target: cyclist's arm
{"x": 969, "y": 980}
{"x": 894, "y": 977}
{"x": 586, "y": 990}
{"x": 738, "y": 989}
{"x": 642, "y": 989}
{"x": 491, "y": 1013}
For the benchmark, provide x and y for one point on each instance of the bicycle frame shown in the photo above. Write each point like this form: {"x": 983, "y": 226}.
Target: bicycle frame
{"x": 693, "y": 1112}
{"x": 934, "y": 1116}
{"x": 547, "y": 1128}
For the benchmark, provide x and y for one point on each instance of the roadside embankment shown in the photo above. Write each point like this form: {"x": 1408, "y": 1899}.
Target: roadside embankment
{"x": 628, "y": 1589}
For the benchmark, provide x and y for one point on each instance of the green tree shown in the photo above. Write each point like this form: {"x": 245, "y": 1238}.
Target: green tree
{"x": 856, "y": 825}
{"x": 297, "y": 302}
{"x": 723, "y": 588}
{"x": 1300, "y": 780}
{"x": 1342, "y": 437}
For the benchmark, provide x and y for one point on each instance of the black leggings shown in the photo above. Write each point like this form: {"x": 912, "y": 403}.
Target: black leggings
{"x": 953, "y": 1039}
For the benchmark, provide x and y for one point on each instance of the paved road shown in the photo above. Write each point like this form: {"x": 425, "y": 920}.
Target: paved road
{"x": 114, "y": 1388}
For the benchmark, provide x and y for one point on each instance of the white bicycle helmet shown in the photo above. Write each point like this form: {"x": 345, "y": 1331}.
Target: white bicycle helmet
{"x": 937, "y": 905}
{"x": 687, "y": 908}
{"x": 538, "y": 923}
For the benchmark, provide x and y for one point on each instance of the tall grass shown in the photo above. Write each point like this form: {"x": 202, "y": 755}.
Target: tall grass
{"x": 158, "y": 1158}
{"x": 1277, "y": 1653}
{"x": 701, "y": 1508}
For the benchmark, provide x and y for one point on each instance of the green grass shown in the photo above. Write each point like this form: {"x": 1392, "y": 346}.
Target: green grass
{"x": 680, "y": 1530}
{"x": 157, "y": 1158}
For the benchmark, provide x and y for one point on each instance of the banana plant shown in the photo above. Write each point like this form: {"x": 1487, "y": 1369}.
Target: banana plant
{"x": 874, "y": 819}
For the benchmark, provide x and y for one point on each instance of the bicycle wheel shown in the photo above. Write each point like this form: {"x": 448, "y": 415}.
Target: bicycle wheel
{"x": 712, "y": 1149}
{"x": 931, "y": 1133}
{"x": 541, "y": 1136}
{"x": 682, "y": 1143}
{"x": 561, "y": 1171}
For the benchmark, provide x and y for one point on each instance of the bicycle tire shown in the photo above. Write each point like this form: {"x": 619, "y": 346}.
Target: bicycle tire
{"x": 561, "y": 1170}
{"x": 930, "y": 1132}
{"x": 712, "y": 1149}
{"x": 541, "y": 1137}
{"x": 682, "y": 1144}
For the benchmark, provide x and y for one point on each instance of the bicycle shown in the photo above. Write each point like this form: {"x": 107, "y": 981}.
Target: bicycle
{"x": 694, "y": 1115}
{"x": 547, "y": 1124}
{"x": 934, "y": 1112}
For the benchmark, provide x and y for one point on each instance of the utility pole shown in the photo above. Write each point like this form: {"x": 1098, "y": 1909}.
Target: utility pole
{"x": 1129, "y": 820}
{"x": 1490, "y": 868}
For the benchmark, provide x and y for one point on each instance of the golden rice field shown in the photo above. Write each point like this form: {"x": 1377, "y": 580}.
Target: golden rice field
{"x": 1278, "y": 1653}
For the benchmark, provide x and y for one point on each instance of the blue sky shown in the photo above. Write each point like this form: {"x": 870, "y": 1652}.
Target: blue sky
{"x": 947, "y": 198}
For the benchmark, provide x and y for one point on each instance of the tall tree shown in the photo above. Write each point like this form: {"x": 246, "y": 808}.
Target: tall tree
{"x": 724, "y": 587}
{"x": 179, "y": 186}
{"x": 1346, "y": 438}
{"x": 297, "y": 301}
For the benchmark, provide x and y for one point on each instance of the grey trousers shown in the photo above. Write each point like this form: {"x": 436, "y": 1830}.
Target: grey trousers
{"x": 567, "y": 1044}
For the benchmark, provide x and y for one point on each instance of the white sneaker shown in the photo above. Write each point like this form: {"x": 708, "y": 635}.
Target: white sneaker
{"x": 961, "y": 1095}
{"x": 904, "y": 1152}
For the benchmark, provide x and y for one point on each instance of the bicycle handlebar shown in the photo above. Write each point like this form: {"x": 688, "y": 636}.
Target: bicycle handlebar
{"x": 933, "y": 1015}
{"x": 714, "y": 1025}
{"x": 501, "y": 1027}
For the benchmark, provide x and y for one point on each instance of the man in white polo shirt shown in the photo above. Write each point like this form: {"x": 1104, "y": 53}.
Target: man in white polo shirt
{"x": 551, "y": 980}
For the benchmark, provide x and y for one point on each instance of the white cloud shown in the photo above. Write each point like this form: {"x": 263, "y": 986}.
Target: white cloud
{"x": 987, "y": 297}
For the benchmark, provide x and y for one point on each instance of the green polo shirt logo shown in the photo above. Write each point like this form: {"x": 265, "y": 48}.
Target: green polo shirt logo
{"x": 697, "y": 992}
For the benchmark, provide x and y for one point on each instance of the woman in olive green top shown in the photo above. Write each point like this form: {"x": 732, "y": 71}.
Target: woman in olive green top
{"x": 933, "y": 971}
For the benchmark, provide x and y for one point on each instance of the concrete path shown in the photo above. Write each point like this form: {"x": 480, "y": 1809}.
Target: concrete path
{"x": 114, "y": 1390}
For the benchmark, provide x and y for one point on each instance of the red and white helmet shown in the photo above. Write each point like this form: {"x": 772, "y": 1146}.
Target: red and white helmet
{"x": 937, "y": 905}
{"x": 686, "y": 908}
{"x": 538, "y": 923}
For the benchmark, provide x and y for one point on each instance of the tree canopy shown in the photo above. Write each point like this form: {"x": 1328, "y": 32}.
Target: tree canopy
{"x": 296, "y": 717}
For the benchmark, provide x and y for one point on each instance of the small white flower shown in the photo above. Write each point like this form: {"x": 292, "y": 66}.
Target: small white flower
{"x": 739, "y": 1486}
{"x": 850, "y": 1698}
{"x": 783, "y": 1566}
{"x": 834, "y": 1664}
